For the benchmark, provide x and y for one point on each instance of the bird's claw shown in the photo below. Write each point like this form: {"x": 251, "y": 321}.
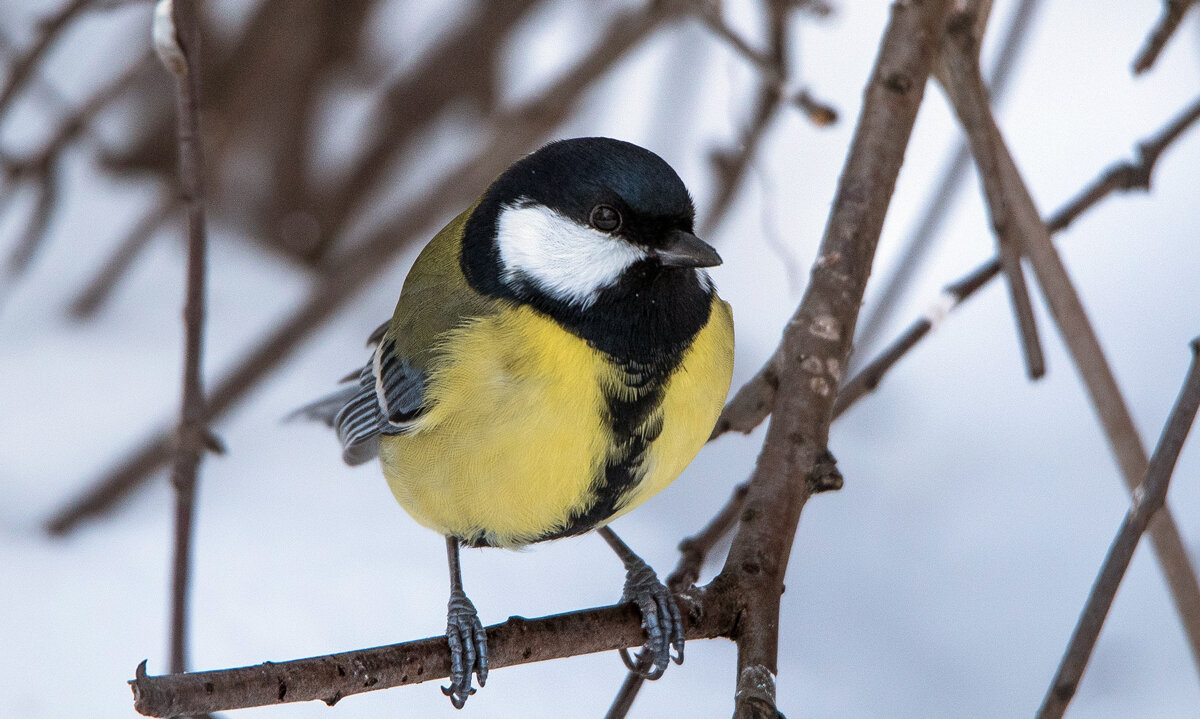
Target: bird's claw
{"x": 468, "y": 649}
{"x": 661, "y": 621}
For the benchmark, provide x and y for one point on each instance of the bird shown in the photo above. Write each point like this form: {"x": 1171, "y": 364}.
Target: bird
{"x": 558, "y": 355}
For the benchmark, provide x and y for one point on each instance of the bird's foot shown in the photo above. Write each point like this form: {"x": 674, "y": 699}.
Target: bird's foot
{"x": 468, "y": 649}
{"x": 660, "y": 620}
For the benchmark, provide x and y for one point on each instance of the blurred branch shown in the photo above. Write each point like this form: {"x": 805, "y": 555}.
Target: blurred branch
{"x": 49, "y": 31}
{"x": 1012, "y": 220}
{"x": 1094, "y": 369}
{"x": 1149, "y": 497}
{"x": 774, "y": 91}
{"x": 177, "y": 40}
{"x": 920, "y": 240}
{"x": 93, "y": 296}
{"x": 515, "y": 131}
{"x": 43, "y": 170}
{"x": 730, "y": 165}
{"x": 1172, "y": 15}
{"x": 470, "y": 56}
{"x": 330, "y": 678}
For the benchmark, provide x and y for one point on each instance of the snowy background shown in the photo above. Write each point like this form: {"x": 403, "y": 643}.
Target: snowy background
{"x": 943, "y": 581}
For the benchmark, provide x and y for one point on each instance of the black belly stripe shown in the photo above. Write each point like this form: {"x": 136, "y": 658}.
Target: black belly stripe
{"x": 635, "y": 423}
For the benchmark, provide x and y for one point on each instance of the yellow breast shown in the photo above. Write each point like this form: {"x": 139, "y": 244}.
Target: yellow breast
{"x": 517, "y": 431}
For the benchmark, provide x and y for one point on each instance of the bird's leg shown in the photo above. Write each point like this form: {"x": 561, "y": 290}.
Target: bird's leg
{"x": 464, "y": 633}
{"x": 660, "y": 615}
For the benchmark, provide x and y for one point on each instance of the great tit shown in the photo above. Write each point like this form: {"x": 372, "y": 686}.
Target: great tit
{"x": 558, "y": 355}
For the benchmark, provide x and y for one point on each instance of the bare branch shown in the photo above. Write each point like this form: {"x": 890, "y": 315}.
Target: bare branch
{"x": 332, "y": 677}
{"x": 794, "y": 462}
{"x": 1125, "y": 176}
{"x": 754, "y": 401}
{"x": 925, "y": 230}
{"x": 963, "y": 82}
{"x": 43, "y": 169}
{"x": 1111, "y": 408}
{"x": 1149, "y": 497}
{"x": 177, "y": 39}
{"x": 1172, "y": 15}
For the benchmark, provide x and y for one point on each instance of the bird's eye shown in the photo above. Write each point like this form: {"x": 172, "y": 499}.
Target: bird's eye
{"x": 605, "y": 218}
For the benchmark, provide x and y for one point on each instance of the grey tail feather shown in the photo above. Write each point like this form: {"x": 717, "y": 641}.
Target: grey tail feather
{"x": 325, "y": 409}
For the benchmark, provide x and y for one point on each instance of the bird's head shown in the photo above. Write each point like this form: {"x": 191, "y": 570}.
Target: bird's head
{"x": 580, "y": 218}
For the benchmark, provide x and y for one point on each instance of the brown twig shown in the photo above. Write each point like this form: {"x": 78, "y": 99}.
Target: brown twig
{"x": 754, "y": 401}
{"x": 330, "y": 678}
{"x": 1149, "y": 497}
{"x": 1111, "y": 408}
{"x": 516, "y": 131}
{"x": 177, "y": 39}
{"x": 1172, "y": 15}
{"x": 794, "y": 462}
{"x": 929, "y": 223}
{"x": 962, "y": 80}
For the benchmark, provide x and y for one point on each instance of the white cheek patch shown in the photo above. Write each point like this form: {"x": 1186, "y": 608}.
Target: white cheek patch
{"x": 566, "y": 260}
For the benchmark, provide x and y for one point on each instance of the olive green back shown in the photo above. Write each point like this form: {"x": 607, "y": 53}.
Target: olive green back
{"x": 436, "y": 297}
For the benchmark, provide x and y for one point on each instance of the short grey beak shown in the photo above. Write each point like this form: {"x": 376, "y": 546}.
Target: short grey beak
{"x": 683, "y": 249}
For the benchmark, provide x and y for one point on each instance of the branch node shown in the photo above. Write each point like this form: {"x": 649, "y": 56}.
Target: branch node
{"x": 755, "y": 697}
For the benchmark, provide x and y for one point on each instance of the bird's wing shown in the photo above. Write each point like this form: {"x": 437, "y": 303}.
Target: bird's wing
{"x": 388, "y": 394}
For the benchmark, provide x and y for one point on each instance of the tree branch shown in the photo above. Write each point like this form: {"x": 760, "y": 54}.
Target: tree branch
{"x": 1084, "y": 346}
{"x": 177, "y": 40}
{"x": 755, "y": 400}
{"x": 920, "y": 239}
{"x": 710, "y": 613}
{"x": 963, "y": 82}
{"x": 51, "y": 29}
{"x": 1168, "y": 23}
{"x": 794, "y": 462}
{"x": 1149, "y": 497}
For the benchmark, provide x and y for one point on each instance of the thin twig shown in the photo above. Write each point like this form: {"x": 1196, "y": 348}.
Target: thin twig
{"x": 754, "y": 401}
{"x": 1148, "y": 498}
{"x": 925, "y": 230}
{"x": 962, "y": 80}
{"x": 177, "y": 39}
{"x": 1096, "y": 373}
{"x": 43, "y": 170}
{"x": 1172, "y": 15}
{"x": 730, "y": 165}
